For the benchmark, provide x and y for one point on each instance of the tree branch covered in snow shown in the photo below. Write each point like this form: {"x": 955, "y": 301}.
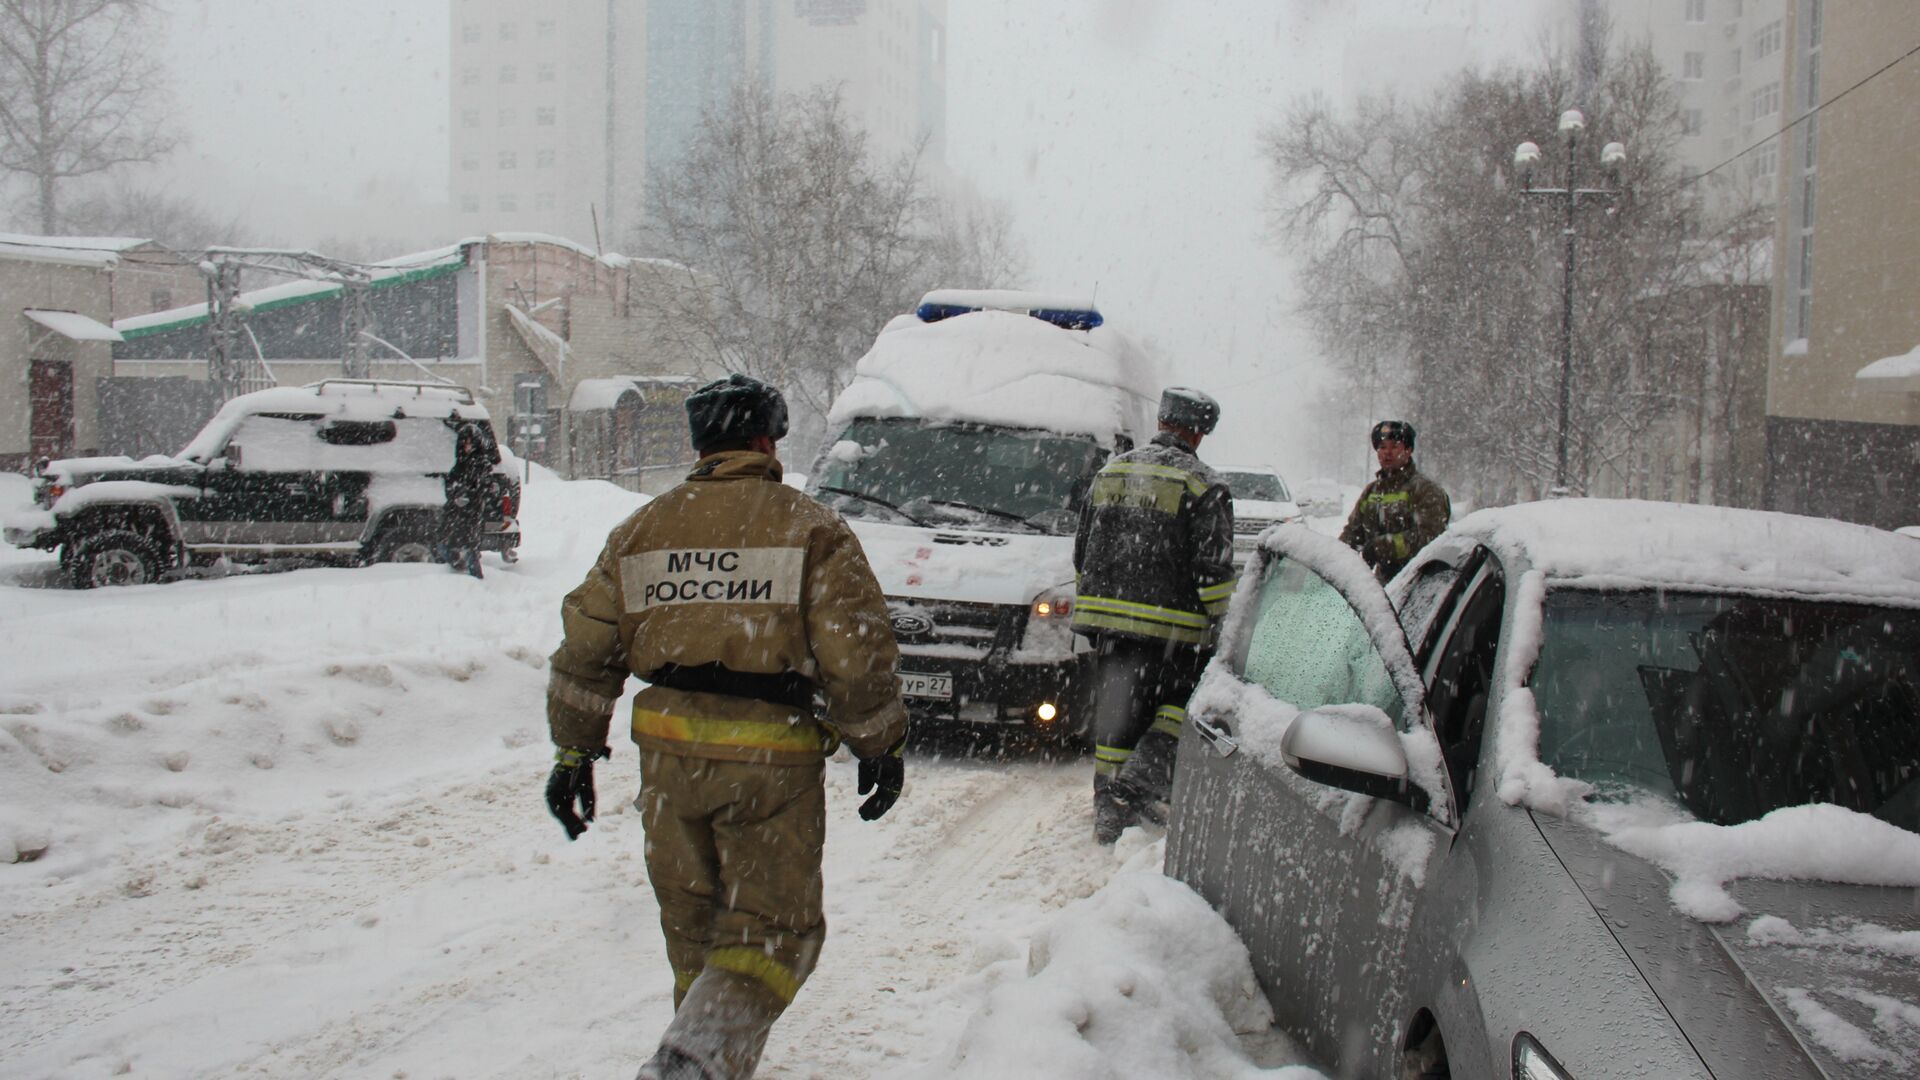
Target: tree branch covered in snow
{"x": 1436, "y": 284}
{"x": 80, "y": 94}
{"x": 802, "y": 245}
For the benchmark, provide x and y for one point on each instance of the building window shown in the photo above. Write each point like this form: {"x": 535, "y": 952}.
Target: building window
{"x": 469, "y": 76}
{"x": 1693, "y": 65}
{"x": 543, "y": 116}
{"x": 1816, "y": 12}
{"x": 509, "y": 31}
{"x": 469, "y": 162}
{"x": 1766, "y": 41}
{"x": 543, "y": 159}
{"x": 508, "y": 203}
{"x": 1733, "y": 61}
{"x": 1813, "y": 79}
{"x": 1690, "y": 121}
{"x": 470, "y": 118}
{"x": 544, "y": 28}
{"x": 543, "y": 200}
{"x": 544, "y": 72}
{"x": 1696, "y": 11}
{"x": 509, "y": 118}
{"x": 1765, "y": 162}
{"x": 509, "y": 73}
{"x": 1765, "y": 101}
{"x": 469, "y": 203}
{"x": 509, "y": 159}
{"x": 470, "y": 32}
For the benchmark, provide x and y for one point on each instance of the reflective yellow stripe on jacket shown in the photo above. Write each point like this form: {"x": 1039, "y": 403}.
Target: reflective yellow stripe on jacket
{"x": 1106, "y": 613}
{"x": 803, "y": 736}
{"x": 1215, "y": 597}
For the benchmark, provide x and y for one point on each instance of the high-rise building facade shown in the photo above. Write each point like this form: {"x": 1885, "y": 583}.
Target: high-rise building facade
{"x": 1727, "y": 58}
{"x": 558, "y": 110}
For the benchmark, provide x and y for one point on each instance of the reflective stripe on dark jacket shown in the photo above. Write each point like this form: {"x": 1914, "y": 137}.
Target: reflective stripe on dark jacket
{"x": 1397, "y": 514}
{"x": 738, "y": 594}
{"x": 1154, "y": 552}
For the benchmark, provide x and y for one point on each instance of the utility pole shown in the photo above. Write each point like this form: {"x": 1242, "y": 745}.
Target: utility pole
{"x": 1526, "y": 157}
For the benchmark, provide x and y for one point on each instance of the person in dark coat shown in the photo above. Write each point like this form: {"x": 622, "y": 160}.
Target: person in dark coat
{"x": 1154, "y": 561}
{"x": 474, "y": 456}
{"x": 1401, "y": 511}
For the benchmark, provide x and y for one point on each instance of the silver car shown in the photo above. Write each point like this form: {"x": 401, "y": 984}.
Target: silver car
{"x": 1365, "y": 791}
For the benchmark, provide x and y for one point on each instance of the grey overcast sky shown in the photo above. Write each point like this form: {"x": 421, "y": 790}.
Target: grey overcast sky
{"x": 1123, "y": 133}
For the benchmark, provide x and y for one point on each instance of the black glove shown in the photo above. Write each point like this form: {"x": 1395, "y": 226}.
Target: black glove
{"x": 570, "y": 780}
{"x": 885, "y": 776}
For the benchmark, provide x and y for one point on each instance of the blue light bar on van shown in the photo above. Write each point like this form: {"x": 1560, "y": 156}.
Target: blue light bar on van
{"x": 1065, "y": 318}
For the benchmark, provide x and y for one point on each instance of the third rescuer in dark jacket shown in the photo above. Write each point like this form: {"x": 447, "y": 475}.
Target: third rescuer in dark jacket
{"x": 1154, "y": 556}
{"x": 1401, "y": 511}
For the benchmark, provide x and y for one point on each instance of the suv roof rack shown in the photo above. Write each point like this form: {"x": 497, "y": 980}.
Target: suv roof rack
{"x": 419, "y": 389}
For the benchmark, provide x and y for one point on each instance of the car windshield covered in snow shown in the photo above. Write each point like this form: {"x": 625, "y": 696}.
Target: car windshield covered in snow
{"x": 956, "y": 475}
{"x": 1258, "y": 486}
{"x": 1735, "y": 706}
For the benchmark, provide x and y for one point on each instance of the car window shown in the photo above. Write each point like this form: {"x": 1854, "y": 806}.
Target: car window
{"x": 1462, "y": 676}
{"x": 283, "y": 442}
{"x": 1432, "y": 583}
{"x": 1308, "y": 647}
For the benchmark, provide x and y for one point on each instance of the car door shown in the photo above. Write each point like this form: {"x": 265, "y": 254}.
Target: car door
{"x": 1321, "y": 884}
{"x": 266, "y": 489}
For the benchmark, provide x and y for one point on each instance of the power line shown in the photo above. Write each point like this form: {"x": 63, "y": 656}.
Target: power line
{"x": 1805, "y": 116}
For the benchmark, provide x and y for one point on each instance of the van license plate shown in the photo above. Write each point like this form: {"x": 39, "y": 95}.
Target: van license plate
{"x": 934, "y": 686}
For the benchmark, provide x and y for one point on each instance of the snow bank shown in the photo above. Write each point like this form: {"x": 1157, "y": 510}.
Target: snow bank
{"x": 995, "y": 367}
{"x": 1142, "y": 979}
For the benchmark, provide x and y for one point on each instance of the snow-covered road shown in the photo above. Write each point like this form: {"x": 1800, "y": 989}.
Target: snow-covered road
{"x": 292, "y": 827}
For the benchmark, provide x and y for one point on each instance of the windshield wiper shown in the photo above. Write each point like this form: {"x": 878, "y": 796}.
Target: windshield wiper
{"x": 864, "y": 497}
{"x": 991, "y": 510}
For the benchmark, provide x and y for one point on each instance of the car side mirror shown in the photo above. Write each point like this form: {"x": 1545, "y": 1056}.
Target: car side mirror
{"x": 1354, "y": 748}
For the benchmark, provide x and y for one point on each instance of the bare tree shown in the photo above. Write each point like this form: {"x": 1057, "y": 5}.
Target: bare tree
{"x": 801, "y": 245}
{"x": 1438, "y": 289}
{"x": 173, "y": 221}
{"x": 79, "y": 94}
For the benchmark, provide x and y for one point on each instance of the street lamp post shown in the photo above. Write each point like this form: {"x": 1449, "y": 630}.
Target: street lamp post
{"x": 1526, "y": 157}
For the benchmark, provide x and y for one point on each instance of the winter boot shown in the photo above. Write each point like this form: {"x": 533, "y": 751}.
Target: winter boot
{"x": 670, "y": 1064}
{"x": 1113, "y": 809}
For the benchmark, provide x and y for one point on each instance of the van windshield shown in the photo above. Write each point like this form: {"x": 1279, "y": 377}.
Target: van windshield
{"x": 958, "y": 475}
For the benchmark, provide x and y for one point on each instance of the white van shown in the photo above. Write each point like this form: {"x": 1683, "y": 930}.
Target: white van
{"x": 964, "y": 448}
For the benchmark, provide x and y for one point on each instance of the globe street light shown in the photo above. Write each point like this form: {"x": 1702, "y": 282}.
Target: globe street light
{"x": 1526, "y": 159}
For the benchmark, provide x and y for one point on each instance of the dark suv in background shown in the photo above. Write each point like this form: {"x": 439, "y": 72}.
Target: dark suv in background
{"x": 348, "y": 471}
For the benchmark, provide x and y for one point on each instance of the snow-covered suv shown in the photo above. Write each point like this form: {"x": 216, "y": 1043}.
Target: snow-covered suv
{"x": 342, "y": 470}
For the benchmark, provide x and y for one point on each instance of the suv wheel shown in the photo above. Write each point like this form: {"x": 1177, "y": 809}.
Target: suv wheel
{"x": 402, "y": 547}
{"x": 115, "y": 557}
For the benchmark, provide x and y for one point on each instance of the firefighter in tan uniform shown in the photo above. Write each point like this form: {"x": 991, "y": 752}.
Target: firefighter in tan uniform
{"x": 737, "y": 598}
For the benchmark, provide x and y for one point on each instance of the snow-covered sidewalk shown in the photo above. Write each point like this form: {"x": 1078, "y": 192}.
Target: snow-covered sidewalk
{"x": 291, "y": 826}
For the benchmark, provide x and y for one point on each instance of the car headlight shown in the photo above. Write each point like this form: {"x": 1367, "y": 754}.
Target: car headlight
{"x": 1532, "y": 1062}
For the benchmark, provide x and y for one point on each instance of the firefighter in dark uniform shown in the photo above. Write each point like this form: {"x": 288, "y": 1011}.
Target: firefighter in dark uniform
{"x": 737, "y": 598}
{"x": 1154, "y": 559}
{"x": 1401, "y": 511}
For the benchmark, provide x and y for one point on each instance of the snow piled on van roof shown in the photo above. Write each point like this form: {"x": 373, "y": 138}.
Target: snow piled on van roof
{"x": 996, "y": 367}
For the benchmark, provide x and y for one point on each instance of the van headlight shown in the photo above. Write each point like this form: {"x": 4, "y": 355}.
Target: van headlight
{"x": 1055, "y": 603}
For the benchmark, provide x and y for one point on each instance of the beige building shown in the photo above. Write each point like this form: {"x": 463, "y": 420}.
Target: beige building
{"x": 58, "y": 298}
{"x": 573, "y": 353}
{"x": 1843, "y": 393}
{"x": 558, "y": 110}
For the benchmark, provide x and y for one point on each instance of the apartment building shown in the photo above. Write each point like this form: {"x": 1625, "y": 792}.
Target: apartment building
{"x": 1843, "y": 392}
{"x": 558, "y": 110}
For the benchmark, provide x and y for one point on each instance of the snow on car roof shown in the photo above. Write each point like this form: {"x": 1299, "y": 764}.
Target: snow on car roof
{"x": 1631, "y": 544}
{"x": 996, "y": 367}
{"x": 340, "y": 399}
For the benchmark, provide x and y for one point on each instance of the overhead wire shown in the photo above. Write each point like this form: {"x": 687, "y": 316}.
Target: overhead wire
{"x": 1803, "y": 117}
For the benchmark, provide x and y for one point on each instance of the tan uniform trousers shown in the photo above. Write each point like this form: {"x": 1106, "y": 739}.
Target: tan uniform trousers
{"x": 733, "y": 851}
